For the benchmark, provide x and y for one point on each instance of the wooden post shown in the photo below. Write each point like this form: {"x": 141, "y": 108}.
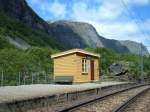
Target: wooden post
{"x": 76, "y": 94}
{"x": 45, "y": 78}
{"x": 97, "y": 91}
{"x": 32, "y": 78}
{"x": 19, "y": 79}
{"x": 67, "y": 94}
{"x": 38, "y": 78}
{"x": 24, "y": 77}
{"x": 2, "y": 78}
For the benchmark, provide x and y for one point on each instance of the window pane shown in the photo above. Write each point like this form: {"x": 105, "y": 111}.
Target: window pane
{"x": 84, "y": 66}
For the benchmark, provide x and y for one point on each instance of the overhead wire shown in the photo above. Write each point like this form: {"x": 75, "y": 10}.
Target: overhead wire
{"x": 138, "y": 21}
{"x": 135, "y": 17}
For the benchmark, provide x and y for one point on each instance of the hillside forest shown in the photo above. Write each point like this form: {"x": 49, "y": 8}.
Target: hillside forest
{"x": 34, "y": 65}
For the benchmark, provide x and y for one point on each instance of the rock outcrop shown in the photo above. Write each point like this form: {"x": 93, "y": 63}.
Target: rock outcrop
{"x": 80, "y": 34}
{"x": 118, "y": 68}
{"x": 69, "y": 34}
{"x": 20, "y": 10}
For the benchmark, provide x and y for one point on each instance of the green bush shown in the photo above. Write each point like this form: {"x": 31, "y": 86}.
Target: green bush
{"x": 108, "y": 57}
{"x": 33, "y": 60}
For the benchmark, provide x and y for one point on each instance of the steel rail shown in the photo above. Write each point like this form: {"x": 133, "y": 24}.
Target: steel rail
{"x": 78, "y": 105}
{"x": 124, "y": 105}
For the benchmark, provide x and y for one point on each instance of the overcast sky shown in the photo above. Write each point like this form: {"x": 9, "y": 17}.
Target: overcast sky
{"x": 113, "y": 19}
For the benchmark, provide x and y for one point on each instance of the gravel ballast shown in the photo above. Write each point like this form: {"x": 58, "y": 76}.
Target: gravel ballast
{"x": 109, "y": 103}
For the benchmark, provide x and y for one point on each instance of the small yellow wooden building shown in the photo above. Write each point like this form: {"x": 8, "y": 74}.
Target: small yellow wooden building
{"x": 76, "y": 66}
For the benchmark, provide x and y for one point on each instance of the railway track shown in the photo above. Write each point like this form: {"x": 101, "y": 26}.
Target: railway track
{"x": 137, "y": 103}
{"x": 107, "y": 102}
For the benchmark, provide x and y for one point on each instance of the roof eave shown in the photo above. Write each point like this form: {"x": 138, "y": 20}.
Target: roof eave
{"x": 74, "y": 51}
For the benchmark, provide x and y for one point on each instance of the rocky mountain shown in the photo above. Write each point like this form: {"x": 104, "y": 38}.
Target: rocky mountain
{"x": 135, "y": 47}
{"x": 79, "y": 34}
{"x": 20, "y": 10}
{"x": 21, "y": 27}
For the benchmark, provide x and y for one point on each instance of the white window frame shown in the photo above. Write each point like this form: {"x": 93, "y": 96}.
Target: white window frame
{"x": 84, "y": 65}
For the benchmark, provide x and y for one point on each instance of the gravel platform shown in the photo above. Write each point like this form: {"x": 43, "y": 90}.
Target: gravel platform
{"x": 24, "y": 92}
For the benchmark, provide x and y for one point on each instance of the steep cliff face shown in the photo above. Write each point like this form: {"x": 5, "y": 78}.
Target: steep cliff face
{"x": 22, "y": 27}
{"x": 20, "y": 10}
{"x": 78, "y": 34}
{"x": 81, "y": 34}
{"x": 114, "y": 45}
{"x": 19, "y": 22}
{"x": 134, "y": 47}
{"x": 66, "y": 35}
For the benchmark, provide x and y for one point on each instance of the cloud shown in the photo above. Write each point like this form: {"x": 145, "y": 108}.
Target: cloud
{"x": 36, "y": 2}
{"x": 48, "y": 8}
{"x": 103, "y": 10}
{"x": 120, "y": 31}
{"x": 110, "y": 17}
{"x": 146, "y": 25}
{"x": 57, "y": 9}
{"x": 138, "y": 2}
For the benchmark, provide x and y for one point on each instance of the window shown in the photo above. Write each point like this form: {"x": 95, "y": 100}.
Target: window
{"x": 84, "y": 66}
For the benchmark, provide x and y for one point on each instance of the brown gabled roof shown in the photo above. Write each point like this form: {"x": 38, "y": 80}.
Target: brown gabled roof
{"x": 74, "y": 51}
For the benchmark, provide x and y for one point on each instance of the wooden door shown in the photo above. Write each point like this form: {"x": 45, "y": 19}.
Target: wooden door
{"x": 92, "y": 69}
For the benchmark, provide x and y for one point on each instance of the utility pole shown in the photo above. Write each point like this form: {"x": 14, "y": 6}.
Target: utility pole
{"x": 141, "y": 64}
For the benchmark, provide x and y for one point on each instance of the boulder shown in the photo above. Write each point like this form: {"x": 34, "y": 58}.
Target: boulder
{"x": 118, "y": 68}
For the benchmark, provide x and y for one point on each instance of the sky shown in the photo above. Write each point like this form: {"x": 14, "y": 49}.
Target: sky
{"x": 113, "y": 19}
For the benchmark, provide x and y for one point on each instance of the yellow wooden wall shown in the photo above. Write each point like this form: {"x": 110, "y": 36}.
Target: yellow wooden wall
{"x": 72, "y": 65}
{"x": 86, "y": 77}
{"x": 65, "y": 65}
{"x": 96, "y": 69}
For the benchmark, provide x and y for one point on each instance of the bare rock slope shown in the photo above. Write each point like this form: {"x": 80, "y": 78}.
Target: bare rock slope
{"x": 79, "y": 34}
{"x": 65, "y": 33}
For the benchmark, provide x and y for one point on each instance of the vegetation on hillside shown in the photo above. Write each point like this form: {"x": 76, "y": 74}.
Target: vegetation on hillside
{"x": 19, "y": 66}
{"x": 108, "y": 57}
{"x": 4, "y": 43}
{"x": 34, "y": 37}
{"x": 26, "y": 66}
{"x": 34, "y": 61}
